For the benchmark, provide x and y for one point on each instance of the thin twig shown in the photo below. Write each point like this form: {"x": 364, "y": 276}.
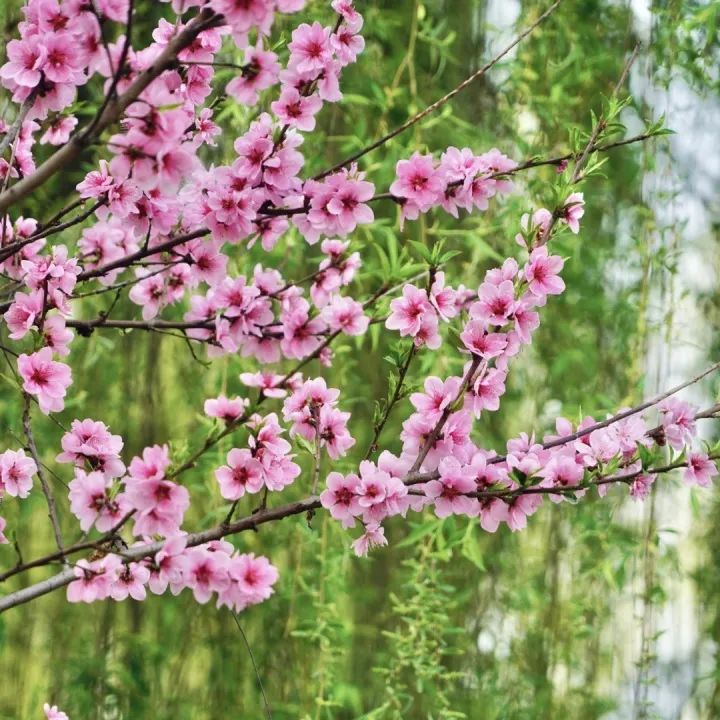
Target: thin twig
{"x": 446, "y": 98}
{"x": 254, "y": 664}
{"x": 52, "y": 508}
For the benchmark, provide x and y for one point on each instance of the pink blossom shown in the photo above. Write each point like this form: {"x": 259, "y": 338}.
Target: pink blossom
{"x": 341, "y": 497}
{"x": 97, "y": 182}
{"x": 406, "y": 312}
{"x": 266, "y": 381}
{"x": 480, "y": 342}
{"x": 153, "y": 464}
{"x": 92, "y": 502}
{"x": 418, "y": 181}
{"x": 56, "y": 335}
{"x": 226, "y": 409}
{"x": 443, "y": 299}
{"x": 350, "y": 15}
{"x": 496, "y": 304}
{"x": 678, "y": 420}
{"x": 347, "y": 44}
{"x": 537, "y": 227}
{"x": 52, "y": 712}
{"x": 541, "y": 273}
{"x": 520, "y": 508}
{"x": 486, "y": 391}
{"x": 63, "y": 60}
{"x": 130, "y": 581}
{"x": 573, "y": 209}
{"x": 90, "y": 441}
{"x": 493, "y": 511}
{"x": 372, "y": 488}
{"x": 296, "y": 110}
{"x": 168, "y": 565}
{"x": 16, "y": 473}
{"x": 310, "y": 48}
{"x": 700, "y": 470}
{"x": 279, "y": 471}
{"x": 242, "y": 474}
{"x": 93, "y": 579}
{"x": 640, "y": 487}
{"x": 346, "y": 315}
{"x": 205, "y": 573}
{"x": 333, "y": 433}
{"x": 58, "y": 133}
{"x": 260, "y": 72}
{"x": 26, "y": 59}
{"x": 448, "y": 493}
{"x": 45, "y": 379}
{"x": 114, "y": 9}
{"x": 437, "y": 396}
{"x": 23, "y": 313}
{"x": 253, "y": 576}
{"x": 374, "y": 536}
{"x": 347, "y": 204}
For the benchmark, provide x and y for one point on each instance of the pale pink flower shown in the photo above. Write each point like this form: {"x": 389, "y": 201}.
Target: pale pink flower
{"x": 90, "y": 441}
{"x": 24, "y": 313}
{"x": 449, "y": 492}
{"x": 573, "y": 209}
{"x": 226, "y": 409}
{"x": 374, "y": 536}
{"x": 45, "y": 379}
{"x": 242, "y": 474}
{"x": 310, "y": 48}
{"x": 443, "y": 299}
{"x": 496, "y": 303}
{"x": 542, "y": 273}
{"x": 130, "y": 581}
{"x": 346, "y": 315}
{"x": 205, "y": 573}
{"x": 52, "y": 712}
{"x": 91, "y": 501}
{"x": 700, "y": 470}
{"x": 341, "y": 498}
{"x": 406, "y": 312}
{"x": 678, "y": 420}
{"x": 640, "y": 487}
{"x": 253, "y": 576}
{"x": 437, "y": 396}
{"x": 153, "y": 464}
{"x": 418, "y": 181}
{"x": 372, "y": 488}
{"x": 266, "y": 381}
{"x": 63, "y": 60}
{"x": 520, "y": 508}
{"x": 297, "y": 110}
{"x": 16, "y": 473}
{"x": 26, "y": 59}
{"x": 58, "y": 133}
{"x": 480, "y": 342}
{"x": 92, "y": 579}
{"x": 167, "y": 568}
{"x": 261, "y": 72}
{"x": 56, "y": 335}
{"x": 333, "y": 433}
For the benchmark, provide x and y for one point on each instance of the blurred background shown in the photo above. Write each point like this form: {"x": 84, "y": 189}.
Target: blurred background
{"x": 606, "y": 609}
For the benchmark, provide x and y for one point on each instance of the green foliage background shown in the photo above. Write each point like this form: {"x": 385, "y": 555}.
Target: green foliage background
{"x": 562, "y": 620}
